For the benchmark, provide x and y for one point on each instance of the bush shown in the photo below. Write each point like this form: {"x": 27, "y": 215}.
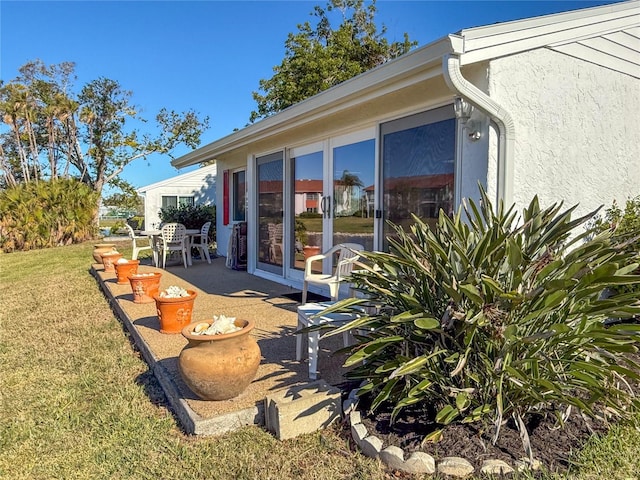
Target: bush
{"x": 46, "y": 214}
{"x": 625, "y": 231}
{"x": 191, "y": 216}
{"x": 484, "y": 319}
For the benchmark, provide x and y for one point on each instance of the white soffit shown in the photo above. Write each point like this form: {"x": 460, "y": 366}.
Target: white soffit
{"x": 494, "y": 41}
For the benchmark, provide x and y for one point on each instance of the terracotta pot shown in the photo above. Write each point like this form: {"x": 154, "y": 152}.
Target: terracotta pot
{"x": 144, "y": 286}
{"x": 310, "y": 250}
{"x": 124, "y": 269}
{"x": 219, "y": 367}
{"x": 174, "y": 313}
{"x": 101, "y": 248}
{"x": 109, "y": 260}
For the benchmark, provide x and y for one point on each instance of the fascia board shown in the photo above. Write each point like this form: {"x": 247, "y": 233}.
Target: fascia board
{"x": 390, "y": 76}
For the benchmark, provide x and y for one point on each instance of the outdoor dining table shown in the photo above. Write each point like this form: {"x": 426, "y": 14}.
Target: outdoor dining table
{"x": 155, "y": 239}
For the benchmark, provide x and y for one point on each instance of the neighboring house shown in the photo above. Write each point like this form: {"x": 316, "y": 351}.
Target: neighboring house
{"x": 194, "y": 188}
{"x": 546, "y": 106}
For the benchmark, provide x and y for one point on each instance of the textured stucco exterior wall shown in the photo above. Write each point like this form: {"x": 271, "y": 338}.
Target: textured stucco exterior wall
{"x": 577, "y": 129}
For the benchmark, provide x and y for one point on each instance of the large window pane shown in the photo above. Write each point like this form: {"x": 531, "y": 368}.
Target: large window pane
{"x": 239, "y": 196}
{"x": 270, "y": 212}
{"x": 307, "y": 206}
{"x": 418, "y": 166}
{"x": 353, "y": 183}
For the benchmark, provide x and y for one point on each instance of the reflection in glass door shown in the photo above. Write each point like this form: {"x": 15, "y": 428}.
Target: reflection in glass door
{"x": 270, "y": 197}
{"x": 353, "y": 193}
{"x": 418, "y": 155}
{"x": 307, "y": 191}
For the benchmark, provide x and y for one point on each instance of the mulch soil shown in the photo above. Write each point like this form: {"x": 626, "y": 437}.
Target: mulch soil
{"x": 552, "y": 445}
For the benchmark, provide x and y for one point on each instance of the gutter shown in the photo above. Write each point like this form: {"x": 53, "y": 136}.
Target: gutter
{"x": 498, "y": 115}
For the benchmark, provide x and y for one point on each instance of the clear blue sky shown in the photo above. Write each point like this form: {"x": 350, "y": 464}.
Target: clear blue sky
{"x": 207, "y": 55}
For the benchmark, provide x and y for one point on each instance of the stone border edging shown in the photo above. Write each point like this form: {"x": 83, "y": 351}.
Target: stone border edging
{"x": 419, "y": 462}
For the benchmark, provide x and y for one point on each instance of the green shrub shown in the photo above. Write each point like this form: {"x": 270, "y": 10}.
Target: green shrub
{"x": 191, "y": 216}
{"x": 46, "y": 214}
{"x": 136, "y": 222}
{"x": 625, "y": 230}
{"x": 485, "y": 319}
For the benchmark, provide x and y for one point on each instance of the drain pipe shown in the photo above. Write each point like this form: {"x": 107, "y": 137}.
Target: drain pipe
{"x": 498, "y": 115}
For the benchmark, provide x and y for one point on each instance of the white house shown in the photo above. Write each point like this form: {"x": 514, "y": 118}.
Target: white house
{"x": 547, "y": 105}
{"x": 193, "y": 188}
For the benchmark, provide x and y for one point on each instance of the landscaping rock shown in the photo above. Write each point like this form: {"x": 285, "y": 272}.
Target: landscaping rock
{"x": 455, "y": 466}
{"x": 495, "y": 467}
{"x": 371, "y": 446}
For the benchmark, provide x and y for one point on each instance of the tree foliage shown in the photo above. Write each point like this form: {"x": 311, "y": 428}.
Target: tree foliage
{"x": 52, "y": 132}
{"x": 317, "y": 58}
{"x": 47, "y": 213}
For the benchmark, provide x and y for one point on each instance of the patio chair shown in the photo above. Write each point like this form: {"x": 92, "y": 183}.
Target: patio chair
{"x": 201, "y": 241}
{"x": 174, "y": 239}
{"x": 347, "y": 256}
{"x": 136, "y": 248}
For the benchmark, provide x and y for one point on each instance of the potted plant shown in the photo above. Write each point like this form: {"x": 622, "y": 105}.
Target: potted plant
{"x": 174, "y": 307}
{"x": 124, "y": 268}
{"x": 221, "y": 358}
{"x": 144, "y": 286}
{"x": 302, "y": 238}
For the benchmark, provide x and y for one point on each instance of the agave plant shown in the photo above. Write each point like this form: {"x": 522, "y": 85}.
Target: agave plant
{"x": 493, "y": 317}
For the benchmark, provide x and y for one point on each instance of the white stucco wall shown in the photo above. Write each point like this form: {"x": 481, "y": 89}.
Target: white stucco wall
{"x": 577, "y": 129}
{"x": 201, "y": 184}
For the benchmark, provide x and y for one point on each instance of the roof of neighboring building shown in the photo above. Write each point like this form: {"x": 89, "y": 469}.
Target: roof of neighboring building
{"x": 607, "y": 35}
{"x": 206, "y": 170}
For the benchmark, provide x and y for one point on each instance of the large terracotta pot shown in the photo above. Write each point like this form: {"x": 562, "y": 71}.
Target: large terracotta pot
{"x": 219, "y": 367}
{"x": 144, "y": 286}
{"x": 109, "y": 260}
{"x": 174, "y": 313}
{"x": 124, "y": 269}
{"x": 101, "y": 248}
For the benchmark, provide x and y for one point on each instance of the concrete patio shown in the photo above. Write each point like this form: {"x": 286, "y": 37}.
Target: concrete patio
{"x": 232, "y": 293}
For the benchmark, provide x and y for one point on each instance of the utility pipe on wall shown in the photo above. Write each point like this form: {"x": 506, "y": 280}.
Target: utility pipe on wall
{"x": 506, "y": 128}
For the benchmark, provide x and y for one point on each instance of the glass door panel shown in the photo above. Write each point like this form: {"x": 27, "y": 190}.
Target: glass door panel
{"x": 270, "y": 197}
{"x": 353, "y": 193}
{"x": 307, "y": 174}
{"x": 418, "y": 154}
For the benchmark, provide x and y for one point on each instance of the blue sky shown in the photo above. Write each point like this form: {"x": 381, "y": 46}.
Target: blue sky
{"x": 207, "y": 55}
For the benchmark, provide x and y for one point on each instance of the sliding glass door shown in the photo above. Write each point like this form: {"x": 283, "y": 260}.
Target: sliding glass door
{"x": 270, "y": 209}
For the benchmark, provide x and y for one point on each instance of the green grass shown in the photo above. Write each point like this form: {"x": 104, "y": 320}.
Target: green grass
{"x": 79, "y": 402}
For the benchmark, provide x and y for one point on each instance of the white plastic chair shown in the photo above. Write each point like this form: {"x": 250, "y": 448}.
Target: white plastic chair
{"x": 348, "y": 254}
{"x": 202, "y": 242}
{"x": 136, "y": 248}
{"x": 174, "y": 239}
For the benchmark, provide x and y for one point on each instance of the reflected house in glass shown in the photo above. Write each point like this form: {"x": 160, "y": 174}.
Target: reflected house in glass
{"x": 543, "y": 106}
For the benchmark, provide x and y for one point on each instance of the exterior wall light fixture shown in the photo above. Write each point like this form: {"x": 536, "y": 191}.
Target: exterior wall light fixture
{"x": 463, "y": 111}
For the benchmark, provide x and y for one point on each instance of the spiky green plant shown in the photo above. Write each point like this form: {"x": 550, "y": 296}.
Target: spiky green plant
{"x": 494, "y": 317}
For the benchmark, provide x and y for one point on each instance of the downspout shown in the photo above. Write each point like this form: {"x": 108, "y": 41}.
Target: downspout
{"x": 498, "y": 115}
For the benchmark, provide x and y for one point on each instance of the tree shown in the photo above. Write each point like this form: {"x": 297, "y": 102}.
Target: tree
{"x": 88, "y": 136}
{"x": 321, "y": 57}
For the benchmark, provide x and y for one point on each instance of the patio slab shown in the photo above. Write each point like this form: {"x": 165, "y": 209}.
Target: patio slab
{"x": 232, "y": 293}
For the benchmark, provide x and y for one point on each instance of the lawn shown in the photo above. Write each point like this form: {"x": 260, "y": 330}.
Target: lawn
{"x": 79, "y": 402}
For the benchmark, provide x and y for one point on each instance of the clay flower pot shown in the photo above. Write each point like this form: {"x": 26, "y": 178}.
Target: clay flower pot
{"x": 101, "y": 248}
{"x": 124, "y": 269}
{"x": 174, "y": 313}
{"x": 310, "y": 250}
{"x": 144, "y": 286}
{"x": 109, "y": 260}
{"x": 219, "y": 367}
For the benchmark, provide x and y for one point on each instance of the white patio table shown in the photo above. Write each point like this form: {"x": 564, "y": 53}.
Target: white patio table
{"x": 155, "y": 239}
{"x": 306, "y": 318}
